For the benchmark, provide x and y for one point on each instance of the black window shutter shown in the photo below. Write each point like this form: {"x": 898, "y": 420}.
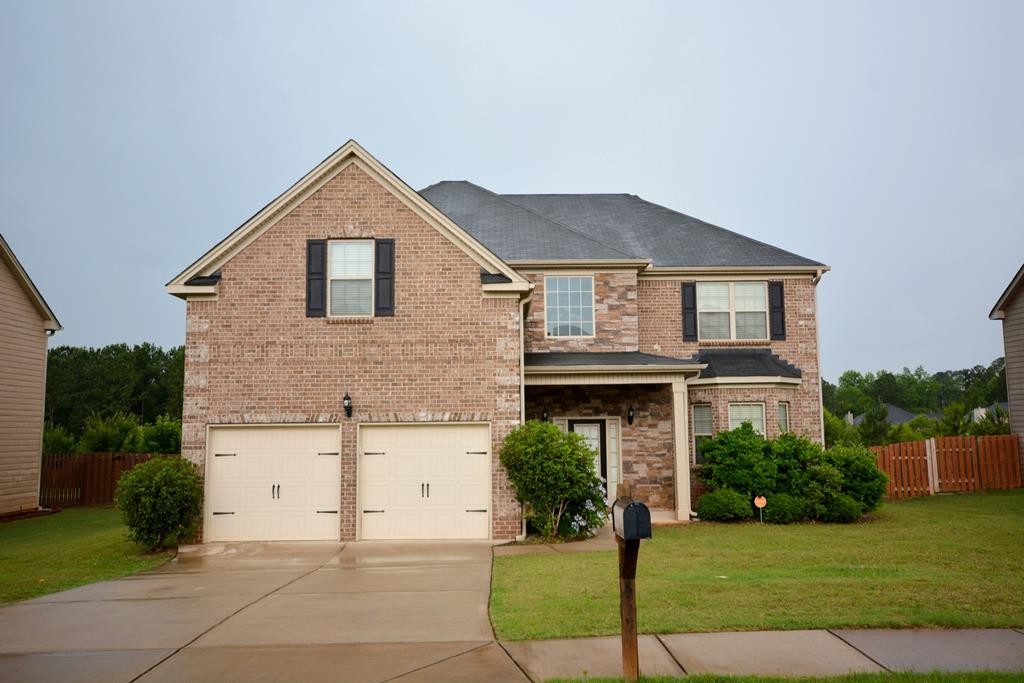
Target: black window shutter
{"x": 689, "y": 311}
{"x": 384, "y": 278}
{"x": 777, "y": 310}
{"x": 316, "y": 278}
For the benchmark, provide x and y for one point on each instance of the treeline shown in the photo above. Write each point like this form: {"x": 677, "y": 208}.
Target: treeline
{"x": 114, "y": 398}
{"x": 943, "y": 403}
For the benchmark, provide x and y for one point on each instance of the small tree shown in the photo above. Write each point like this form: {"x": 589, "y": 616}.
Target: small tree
{"x": 118, "y": 432}
{"x": 874, "y": 428}
{"x": 57, "y": 440}
{"x": 161, "y": 500}
{"x": 163, "y": 436}
{"x": 553, "y": 473}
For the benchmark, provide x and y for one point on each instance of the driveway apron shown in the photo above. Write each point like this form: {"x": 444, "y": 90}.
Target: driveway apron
{"x": 372, "y": 611}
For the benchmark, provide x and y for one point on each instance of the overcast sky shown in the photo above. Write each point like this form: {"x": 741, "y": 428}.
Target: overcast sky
{"x": 883, "y": 138}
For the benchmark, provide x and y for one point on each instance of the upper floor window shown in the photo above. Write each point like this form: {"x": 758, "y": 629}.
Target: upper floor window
{"x": 569, "y": 306}
{"x": 732, "y": 310}
{"x": 350, "y": 272}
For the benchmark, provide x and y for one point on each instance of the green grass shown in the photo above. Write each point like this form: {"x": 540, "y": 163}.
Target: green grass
{"x": 73, "y": 547}
{"x": 934, "y": 677}
{"x": 944, "y": 561}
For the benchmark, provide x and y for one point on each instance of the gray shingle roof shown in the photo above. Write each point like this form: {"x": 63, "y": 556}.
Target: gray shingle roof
{"x": 597, "y": 226}
{"x": 744, "y": 363}
{"x": 561, "y": 359}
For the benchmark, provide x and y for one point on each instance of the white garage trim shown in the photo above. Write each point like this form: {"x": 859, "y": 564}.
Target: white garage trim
{"x": 484, "y": 492}
{"x": 272, "y": 482}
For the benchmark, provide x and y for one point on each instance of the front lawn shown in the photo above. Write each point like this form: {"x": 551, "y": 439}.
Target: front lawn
{"x": 902, "y": 677}
{"x": 944, "y": 561}
{"x": 77, "y": 546}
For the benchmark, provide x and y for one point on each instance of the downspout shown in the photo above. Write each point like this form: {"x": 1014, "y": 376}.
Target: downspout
{"x": 817, "y": 343}
{"x": 693, "y": 513}
{"x": 522, "y": 389}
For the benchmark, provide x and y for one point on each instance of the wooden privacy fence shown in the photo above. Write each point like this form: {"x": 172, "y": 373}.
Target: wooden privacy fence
{"x": 950, "y": 463}
{"x": 83, "y": 478}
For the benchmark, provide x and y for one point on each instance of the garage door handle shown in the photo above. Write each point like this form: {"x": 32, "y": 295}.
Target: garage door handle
{"x": 476, "y": 510}
{"x": 369, "y": 511}
{"x": 421, "y": 490}
{"x": 476, "y": 452}
{"x": 224, "y": 455}
{"x": 326, "y": 512}
{"x": 373, "y": 452}
{"x": 335, "y": 453}
{"x": 428, "y": 490}
{"x": 223, "y": 513}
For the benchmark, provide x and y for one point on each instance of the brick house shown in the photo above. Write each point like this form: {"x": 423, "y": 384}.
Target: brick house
{"x": 357, "y": 351}
{"x": 1010, "y": 310}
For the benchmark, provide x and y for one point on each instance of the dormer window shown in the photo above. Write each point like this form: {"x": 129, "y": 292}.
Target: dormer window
{"x": 569, "y": 306}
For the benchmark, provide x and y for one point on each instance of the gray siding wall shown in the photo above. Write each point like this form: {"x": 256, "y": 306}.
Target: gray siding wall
{"x": 22, "y": 386}
{"x": 1013, "y": 343}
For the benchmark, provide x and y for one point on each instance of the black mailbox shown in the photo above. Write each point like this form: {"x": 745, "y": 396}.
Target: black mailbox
{"x": 631, "y": 520}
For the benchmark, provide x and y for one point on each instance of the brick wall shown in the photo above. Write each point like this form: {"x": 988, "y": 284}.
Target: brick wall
{"x": 660, "y": 328}
{"x": 448, "y": 354}
{"x": 615, "y": 316}
{"x": 648, "y": 452}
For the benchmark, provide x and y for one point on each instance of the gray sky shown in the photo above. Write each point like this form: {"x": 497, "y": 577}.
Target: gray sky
{"x": 883, "y": 138}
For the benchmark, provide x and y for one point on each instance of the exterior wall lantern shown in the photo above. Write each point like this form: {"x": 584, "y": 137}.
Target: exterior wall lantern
{"x": 630, "y": 414}
{"x": 346, "y": 403}
{"x": 544, "y": 415}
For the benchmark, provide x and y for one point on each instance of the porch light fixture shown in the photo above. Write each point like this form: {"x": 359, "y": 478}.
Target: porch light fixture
{"x": 630, "y": 414}
{"x": 544, "y": 415}
{"x": 346, "y": 403}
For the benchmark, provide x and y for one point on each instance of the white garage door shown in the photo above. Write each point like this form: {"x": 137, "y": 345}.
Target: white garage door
{"x": 273, "y": 484}
{"x": 425, "y": 481}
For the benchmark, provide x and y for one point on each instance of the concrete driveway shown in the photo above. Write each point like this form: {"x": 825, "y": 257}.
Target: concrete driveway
{"x": 270, "y": 612}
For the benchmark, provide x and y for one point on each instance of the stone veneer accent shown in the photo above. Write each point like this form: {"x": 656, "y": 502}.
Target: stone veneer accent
{"x": 449, "y": 353}
{"x": 615, "y": 315}
{"x": 648, "y": 453}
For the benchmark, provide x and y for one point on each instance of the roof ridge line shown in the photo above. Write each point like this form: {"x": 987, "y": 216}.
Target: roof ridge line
{"x": 553, "y": 222}
{"x": 731, "y": 232}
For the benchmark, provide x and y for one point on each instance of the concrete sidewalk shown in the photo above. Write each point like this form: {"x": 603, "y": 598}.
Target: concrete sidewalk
{"x": 777, "y": 653}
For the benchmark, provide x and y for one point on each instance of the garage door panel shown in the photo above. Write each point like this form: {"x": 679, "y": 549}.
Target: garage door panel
{"x": 273, "y": 481}
{"x": 396, "y": 464}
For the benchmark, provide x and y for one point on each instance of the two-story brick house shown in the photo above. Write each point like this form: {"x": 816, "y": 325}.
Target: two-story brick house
{"x": 357, "y": 351}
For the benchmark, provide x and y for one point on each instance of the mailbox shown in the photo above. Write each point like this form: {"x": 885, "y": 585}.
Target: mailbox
{"x": 631, "y": 520}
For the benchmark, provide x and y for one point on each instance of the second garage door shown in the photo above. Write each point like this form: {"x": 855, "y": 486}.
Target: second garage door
{"x": 429, "y": 481}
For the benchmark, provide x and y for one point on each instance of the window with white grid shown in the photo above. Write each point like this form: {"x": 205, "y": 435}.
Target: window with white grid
{"x": 350, "y": 270}
{"x": 702, "y": 430}
{"x": 732, "y": 310}
{"x": 569, "y": 306}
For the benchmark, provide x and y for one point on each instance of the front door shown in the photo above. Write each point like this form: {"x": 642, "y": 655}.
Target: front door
{"x": 593, "y": 431}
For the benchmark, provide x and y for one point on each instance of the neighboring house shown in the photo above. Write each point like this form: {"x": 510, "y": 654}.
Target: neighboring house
{"x": 895, "y": 415}
{"x": 27, "y": 322}
{"x": 441, "y": 320}
{"x": 1010, "y": 309}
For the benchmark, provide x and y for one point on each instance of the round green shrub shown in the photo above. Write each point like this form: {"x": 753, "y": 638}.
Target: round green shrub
{"x": 553, "y": 473}
{"x": 783, "y": 508}
{"x": 737, "y": 460}
{"x": 842, "y": 509}
{"x": 724, "y": 505}
{"x": 161, "y": 500}
{"x": 862, "y": 480}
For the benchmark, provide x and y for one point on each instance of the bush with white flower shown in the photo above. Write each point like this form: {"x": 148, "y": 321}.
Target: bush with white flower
{"x": 553, "y": 474}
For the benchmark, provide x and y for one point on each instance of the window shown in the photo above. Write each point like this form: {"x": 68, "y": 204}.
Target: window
{"x": 569, "y": 306}
{"x": 350, "y": 270}
{"x": 732, "y": 310}
{"x": 702, "y": 431}
{"x": 783, "y": 417}
{"x": 747, "y": 412}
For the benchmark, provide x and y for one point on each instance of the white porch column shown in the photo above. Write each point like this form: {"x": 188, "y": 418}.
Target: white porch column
{"x": 681, "y": 437}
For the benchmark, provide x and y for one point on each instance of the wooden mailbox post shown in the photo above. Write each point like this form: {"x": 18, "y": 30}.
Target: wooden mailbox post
{"x": 631, "y": 521}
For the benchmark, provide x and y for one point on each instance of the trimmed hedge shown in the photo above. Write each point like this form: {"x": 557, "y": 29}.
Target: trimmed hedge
{"x": 724, "y": 505}
{"x": 801, "y": 480}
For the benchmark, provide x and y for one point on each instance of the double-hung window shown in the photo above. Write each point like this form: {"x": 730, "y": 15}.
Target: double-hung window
{"x": 702, "y": 430}
{"x": 747, "y": 412}
{"x": 783, "y": 417}
{"x": 350, "y": 271}
{"x": 569, "y": 306}
{"x": 732, "y": 310}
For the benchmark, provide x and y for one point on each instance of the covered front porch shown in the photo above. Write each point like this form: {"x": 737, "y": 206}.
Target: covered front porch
{"x": 633, "y": 409}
